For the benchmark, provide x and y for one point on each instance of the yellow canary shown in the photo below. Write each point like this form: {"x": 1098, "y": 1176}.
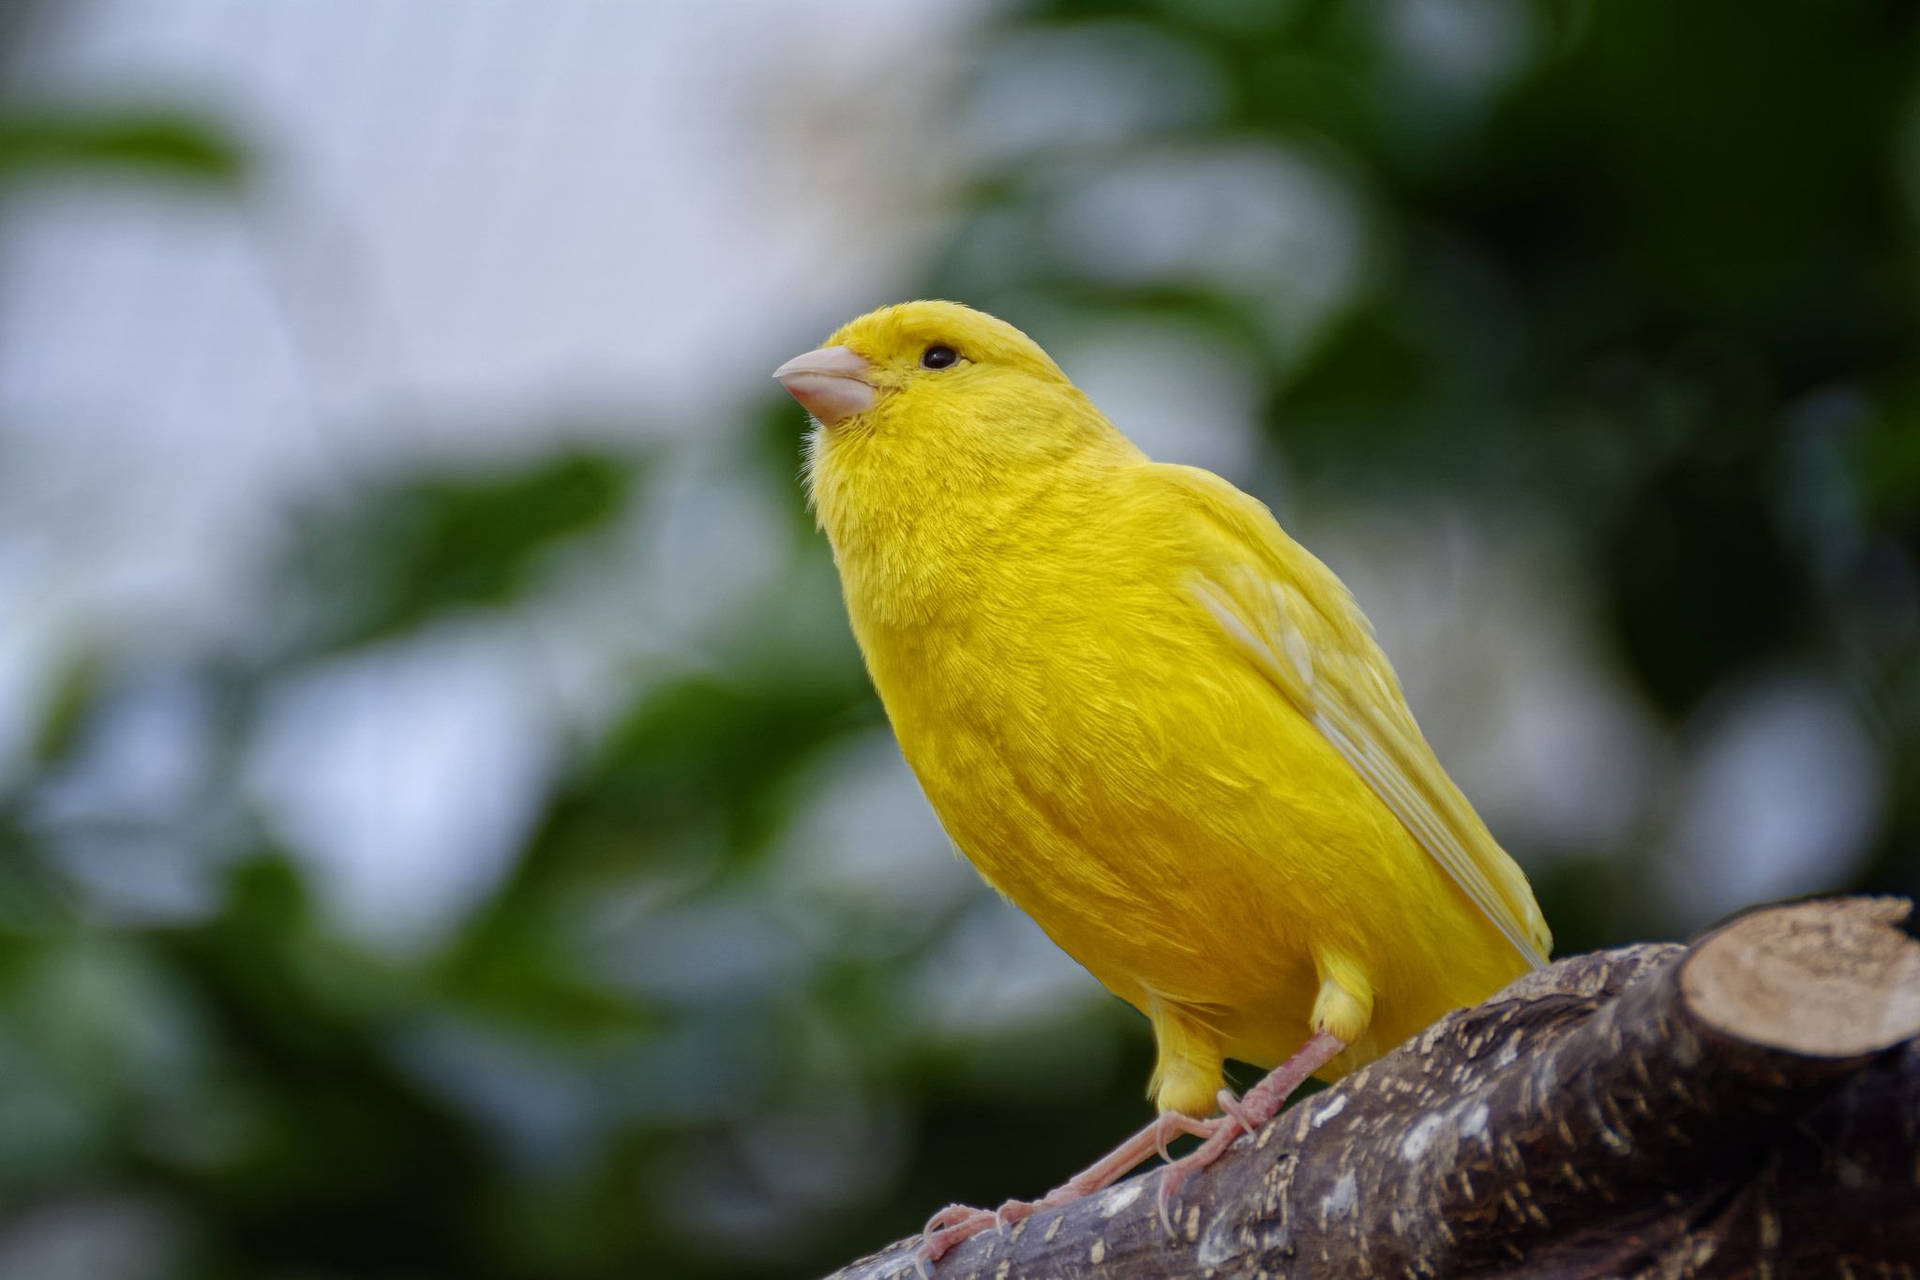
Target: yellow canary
{"x": 1145, "y": 714}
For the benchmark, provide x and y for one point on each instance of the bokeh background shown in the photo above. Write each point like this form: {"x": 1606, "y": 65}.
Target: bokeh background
{"x": 444, "y": 827}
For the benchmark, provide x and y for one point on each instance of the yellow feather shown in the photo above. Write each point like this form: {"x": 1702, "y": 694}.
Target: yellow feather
{"x": 1151, "y": 719}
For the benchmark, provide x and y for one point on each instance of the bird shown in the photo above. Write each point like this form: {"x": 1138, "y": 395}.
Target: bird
{"x": 1153, "y": 721}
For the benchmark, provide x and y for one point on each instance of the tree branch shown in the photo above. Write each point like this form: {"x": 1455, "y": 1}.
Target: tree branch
{"x": 1749, "y": 1105}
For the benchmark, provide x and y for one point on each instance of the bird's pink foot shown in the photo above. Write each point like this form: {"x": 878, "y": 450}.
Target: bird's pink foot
{"x": 1246, "y": 1114}
{"x": 957, "y": 1222}
{"x": 945, "y": 1229}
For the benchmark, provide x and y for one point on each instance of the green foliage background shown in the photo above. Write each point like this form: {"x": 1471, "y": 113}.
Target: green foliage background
{"x": 1659, "y": 291}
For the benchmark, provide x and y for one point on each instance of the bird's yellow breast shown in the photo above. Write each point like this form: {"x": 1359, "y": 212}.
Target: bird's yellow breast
{"x": 1095, "y": 746}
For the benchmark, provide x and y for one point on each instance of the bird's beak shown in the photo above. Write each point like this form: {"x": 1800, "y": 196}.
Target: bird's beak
{"x": 831, "y": 383}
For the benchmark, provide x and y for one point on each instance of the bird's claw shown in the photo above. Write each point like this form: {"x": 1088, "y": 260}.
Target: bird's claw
{"x": 1012, "y": 1212}
{"x": 1170, "y": 1179}
{"x": 1230, "y": 1127}
{"x": 1160, "y": 1143}
{"x": 949, "y": 1216}
{"x": 1231, "y": 1108}
{"x": 957, "y": 1223}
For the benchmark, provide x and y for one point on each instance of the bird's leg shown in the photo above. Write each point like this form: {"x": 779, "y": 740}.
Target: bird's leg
{"x": 1248, "y": 1114}
{"x": 957, "y": 1222}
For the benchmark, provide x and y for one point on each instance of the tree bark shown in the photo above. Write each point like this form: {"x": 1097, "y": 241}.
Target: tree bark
{"x": 1746, "y": 1106}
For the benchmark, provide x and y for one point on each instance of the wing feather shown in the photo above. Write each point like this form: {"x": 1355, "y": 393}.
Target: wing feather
{"x": 1297, "y": 623}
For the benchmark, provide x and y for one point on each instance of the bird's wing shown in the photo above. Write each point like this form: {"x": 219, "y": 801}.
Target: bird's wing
{"x": 1299, "y": 625}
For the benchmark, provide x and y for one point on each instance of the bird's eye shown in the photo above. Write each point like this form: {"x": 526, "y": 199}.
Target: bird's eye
{"x": 938, "y": 357}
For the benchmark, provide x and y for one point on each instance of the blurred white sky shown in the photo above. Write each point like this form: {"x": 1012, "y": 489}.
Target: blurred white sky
{"x": 477, "y": 226}
{"x": 469, "y": 221}
{"x": 472, "y": 228}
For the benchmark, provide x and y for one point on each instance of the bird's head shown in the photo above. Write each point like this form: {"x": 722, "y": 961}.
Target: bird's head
{"x": 915, "y": 363}
{"x": 933, "y": 404}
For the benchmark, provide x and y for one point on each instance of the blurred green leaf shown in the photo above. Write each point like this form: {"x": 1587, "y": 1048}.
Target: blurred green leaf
{"x": 401, "y": 554}
{"x": 1887, "y": 466}
{"x": 157, "y": 143}
{"x": 1695, "y": 524}
{"x": 350, "y": 1164}
{"x": 695, "y": 750}
{"x": 69, "y": 705}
